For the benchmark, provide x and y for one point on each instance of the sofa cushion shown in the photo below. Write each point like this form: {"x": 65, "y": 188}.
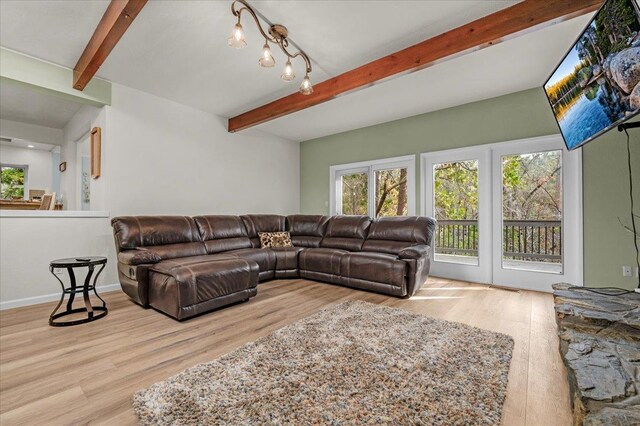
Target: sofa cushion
{"x": 266, "y": 259}
{"x": 325, "y": 260}
{"x": 346, "y": 232}
{"x": 262, "y": 223}
{"x": 138, "y": 257}
{"x": 222, "y": 233}
{"x": 307, "y": 230}
{"x": 131, "y": 232}
{"x": 172, "y": 251}
{"x": 177, "y": 287}
{"x": 374, "y": 267}
{"x": 415, "y": 252}
{"x": 286, "y": 260}
{"x": 166, "y": 266}
{"x": 393, "y": 234}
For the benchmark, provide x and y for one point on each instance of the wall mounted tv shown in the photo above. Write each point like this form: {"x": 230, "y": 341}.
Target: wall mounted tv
{"x": 597, "y": 85}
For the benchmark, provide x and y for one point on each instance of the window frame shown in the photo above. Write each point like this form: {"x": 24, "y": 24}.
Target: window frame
{"x": 25, "y": 167}
{"x": 370, "y": 167}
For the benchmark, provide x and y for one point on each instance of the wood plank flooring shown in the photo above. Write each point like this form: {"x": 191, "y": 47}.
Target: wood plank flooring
{"x": 87, "y": 374}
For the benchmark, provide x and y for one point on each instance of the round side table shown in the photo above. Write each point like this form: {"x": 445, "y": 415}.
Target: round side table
{"x": 69, "y": 264}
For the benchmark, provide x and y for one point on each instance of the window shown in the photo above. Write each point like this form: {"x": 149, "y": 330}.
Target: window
{"x": 455, "y": 206}
{"x": 355, "y": 193}
{"x": 532, "y": 211}
{"x": 391, "y": 192}
{"x": 376, "y": 188}
{"x": 13, "y": 182}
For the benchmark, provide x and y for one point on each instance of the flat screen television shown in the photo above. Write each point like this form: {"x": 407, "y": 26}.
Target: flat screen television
{"x": 596, "y": 87}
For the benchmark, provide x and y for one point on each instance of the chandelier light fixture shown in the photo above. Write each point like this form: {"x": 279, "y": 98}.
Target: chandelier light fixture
{"x": 277, "y": 34}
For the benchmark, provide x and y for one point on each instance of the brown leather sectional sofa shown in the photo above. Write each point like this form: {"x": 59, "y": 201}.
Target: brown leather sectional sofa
{"x": 184, "y": 266}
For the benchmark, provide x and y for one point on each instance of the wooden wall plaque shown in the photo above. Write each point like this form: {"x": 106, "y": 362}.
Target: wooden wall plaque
{"x": 96, "y": 150}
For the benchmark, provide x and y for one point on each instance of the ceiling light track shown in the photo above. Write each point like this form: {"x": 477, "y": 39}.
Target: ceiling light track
{"x": 276, "y": 34}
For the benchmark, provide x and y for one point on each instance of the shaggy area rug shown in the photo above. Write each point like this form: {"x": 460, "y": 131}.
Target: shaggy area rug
{"x": 354, "y": 363}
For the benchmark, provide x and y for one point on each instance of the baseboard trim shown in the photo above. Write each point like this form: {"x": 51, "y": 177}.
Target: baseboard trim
{"x": 36, "y": 300}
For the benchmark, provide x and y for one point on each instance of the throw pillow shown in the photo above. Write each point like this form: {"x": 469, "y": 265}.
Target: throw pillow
{"x": 275, "y": 239}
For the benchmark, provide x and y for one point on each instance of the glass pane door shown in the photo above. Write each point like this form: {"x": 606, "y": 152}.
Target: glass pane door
{"x": 532, "y": 211}
{"x": 537, "y": 220}
{"x": 455, "y": 188}
{"x": 355, "y": 193}
{"x": 508, "y": 214}
{"x": 458, "y": 195}
{"x": 391, "y": 192}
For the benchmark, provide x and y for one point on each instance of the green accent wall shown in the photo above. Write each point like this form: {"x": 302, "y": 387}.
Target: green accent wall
{"x": 607, "y": 245}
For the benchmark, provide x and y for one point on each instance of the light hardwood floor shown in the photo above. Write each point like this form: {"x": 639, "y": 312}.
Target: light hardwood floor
{"x": 87, "y": 373}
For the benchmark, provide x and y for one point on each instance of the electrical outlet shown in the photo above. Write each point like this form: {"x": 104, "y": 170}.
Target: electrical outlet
{"x": 626, "y": 271}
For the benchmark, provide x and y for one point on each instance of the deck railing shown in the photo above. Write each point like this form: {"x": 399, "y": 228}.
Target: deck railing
{"x": 531, "y": 240}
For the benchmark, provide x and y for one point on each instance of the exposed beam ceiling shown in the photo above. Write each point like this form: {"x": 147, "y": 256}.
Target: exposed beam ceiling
{"x": 115, "y": 21}
{"x": 478, "y": 34}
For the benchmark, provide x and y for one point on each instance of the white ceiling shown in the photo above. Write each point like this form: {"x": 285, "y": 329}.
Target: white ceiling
{"x": 18, "y": 103}
{"x": 518, "y": 64}
{"x": 21, "y": 143}
{"x": 177, "y": 50}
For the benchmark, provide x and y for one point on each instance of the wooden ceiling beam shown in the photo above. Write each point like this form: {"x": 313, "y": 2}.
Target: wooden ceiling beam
{"x": 114, "y": 23}
{"x": 484, "y": 32}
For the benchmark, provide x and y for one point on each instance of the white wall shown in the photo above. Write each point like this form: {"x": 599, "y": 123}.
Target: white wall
{"x": 165, "y": 158}
{"x": 29, "y": 244}
{"x": 158, "y": 157}
{"x": 40, "y": 165}
{"x": 75, "y": 130}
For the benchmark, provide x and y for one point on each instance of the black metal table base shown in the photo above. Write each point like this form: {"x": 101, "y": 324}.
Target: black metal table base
{"x": 93, "y": 312}
{"x": 90, "y": 316}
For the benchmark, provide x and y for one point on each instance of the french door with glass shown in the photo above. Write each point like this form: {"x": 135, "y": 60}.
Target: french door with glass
{"x": 508, "y": 214}
{"x": 458, "y": 196}
{"x": 537, "y": 210}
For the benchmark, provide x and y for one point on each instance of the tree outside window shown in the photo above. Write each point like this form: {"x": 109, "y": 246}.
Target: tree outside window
{"x": 12, "y": 182}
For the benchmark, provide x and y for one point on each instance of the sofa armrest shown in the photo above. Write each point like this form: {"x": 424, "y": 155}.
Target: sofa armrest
{"x": 414, "y": 252}
{"x": 138, "y": 257}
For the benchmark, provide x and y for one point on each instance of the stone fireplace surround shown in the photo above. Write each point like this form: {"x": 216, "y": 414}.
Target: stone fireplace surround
{"x": 600, "y": 346}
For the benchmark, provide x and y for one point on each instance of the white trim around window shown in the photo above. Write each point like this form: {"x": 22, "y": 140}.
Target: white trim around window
{"x": 370, "y": 167}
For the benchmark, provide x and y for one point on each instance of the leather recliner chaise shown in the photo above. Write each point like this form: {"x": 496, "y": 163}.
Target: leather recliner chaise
{"x": 184, "y": 266}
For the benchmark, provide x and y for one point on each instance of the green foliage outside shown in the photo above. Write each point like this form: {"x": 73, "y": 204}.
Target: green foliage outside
{"x": 532, "y": 186}
{"x": 532, "y": 191}
{"x": 391, "y": 192}
{"x": 456, "y": 190}
{"x": 390, "y": 195}
{"x": 456, "y": 198}
{"x": 355, "y": 194}
{"x": 12, "y": 183}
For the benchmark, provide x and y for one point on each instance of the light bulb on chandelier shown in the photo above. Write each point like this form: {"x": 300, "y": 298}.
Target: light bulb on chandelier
{"x": 306, "y": 88}
{"x": 266, "y": 60}
{"x": 287, "y": 74}
{"x": 236, "y": 39}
